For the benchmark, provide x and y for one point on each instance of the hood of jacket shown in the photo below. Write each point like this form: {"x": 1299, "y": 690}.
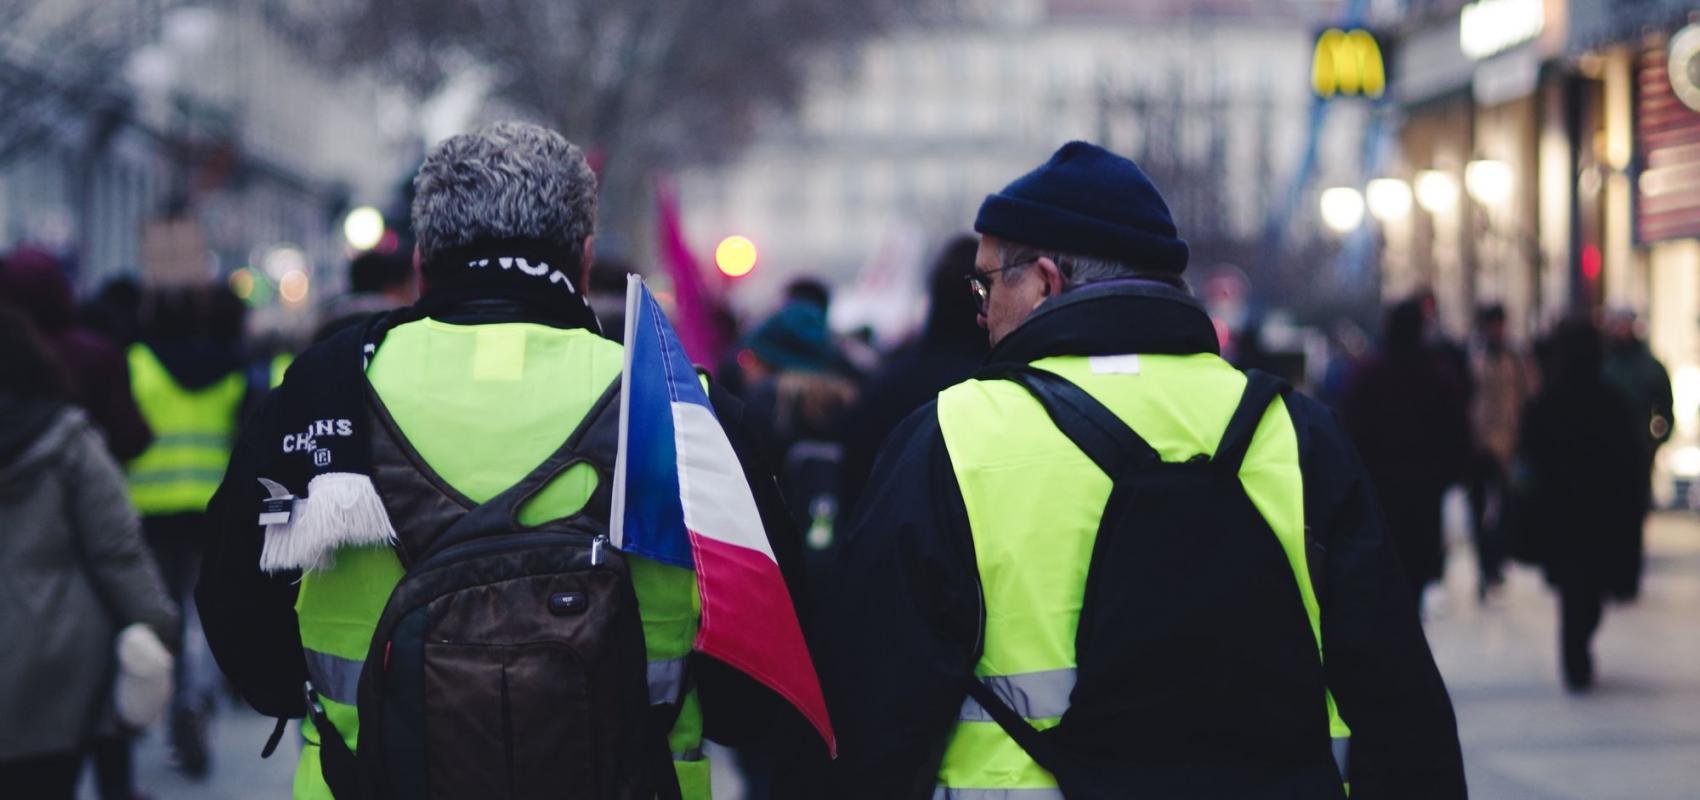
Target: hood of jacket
{"x": 33, "y": 432}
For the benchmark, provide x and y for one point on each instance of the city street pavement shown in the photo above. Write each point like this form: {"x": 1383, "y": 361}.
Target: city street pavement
{"x": 1637, "y": 736}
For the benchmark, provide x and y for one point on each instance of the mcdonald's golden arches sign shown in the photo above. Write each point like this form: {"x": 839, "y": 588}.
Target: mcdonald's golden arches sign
{"x": 1348, "y": 63}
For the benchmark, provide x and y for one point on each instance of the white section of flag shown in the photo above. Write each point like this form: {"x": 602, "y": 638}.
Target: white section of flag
{"x": 717, "y": 501}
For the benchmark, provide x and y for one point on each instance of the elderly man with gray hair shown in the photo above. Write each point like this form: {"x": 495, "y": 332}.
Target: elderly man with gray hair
{"x": 1111, "y": 564}
{"x": 414, "y": 526}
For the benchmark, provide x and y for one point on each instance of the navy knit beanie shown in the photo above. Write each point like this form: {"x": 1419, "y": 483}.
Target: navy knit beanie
{"x": 1088, "y": 201}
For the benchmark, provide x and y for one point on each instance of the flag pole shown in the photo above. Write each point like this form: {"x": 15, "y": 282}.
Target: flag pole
{"x": 617, "y": 517}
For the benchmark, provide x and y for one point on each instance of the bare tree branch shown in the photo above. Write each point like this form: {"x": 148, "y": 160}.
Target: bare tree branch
{"x": 644, "y": 83}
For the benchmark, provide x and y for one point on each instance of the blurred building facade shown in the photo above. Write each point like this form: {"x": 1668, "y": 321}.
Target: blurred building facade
{"x": 898, "y": 141}
{"x": 1486, "y": 148}
{"x": 1553, "y": 149}
{"x": 210, "y": 115}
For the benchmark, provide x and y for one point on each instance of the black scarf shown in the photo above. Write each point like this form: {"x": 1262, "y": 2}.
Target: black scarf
{"x": 538, "y": 276}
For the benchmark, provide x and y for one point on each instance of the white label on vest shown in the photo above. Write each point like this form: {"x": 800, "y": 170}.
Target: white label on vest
{"x": 1115, "y": 365}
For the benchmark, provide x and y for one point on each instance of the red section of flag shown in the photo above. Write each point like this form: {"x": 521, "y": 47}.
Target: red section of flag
{"x": 748, "y": 622}
{"x": 694, "y": 300}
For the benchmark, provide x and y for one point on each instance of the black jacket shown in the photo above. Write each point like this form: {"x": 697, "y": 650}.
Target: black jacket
{"x": 901, "y": 627}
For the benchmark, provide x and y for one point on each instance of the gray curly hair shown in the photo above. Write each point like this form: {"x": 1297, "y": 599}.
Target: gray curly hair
{"x": 509, "y": 180}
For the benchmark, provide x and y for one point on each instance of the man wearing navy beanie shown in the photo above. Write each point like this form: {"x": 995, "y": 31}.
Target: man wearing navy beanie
{"x": 1177, "y": 571}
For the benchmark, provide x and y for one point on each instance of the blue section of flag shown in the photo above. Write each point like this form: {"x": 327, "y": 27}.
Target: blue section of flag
{"x": 682, "y": 383}
{"x": 660, "y": 375}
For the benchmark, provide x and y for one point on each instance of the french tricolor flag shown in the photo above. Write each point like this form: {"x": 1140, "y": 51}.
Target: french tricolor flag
{"x": 680, "y": 498}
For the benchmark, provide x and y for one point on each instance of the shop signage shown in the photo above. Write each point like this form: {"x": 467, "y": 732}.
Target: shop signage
{"x": 1348, "y": 63}
{"x": 1667, "y": 135}
{"x": 1684, "y": 66}
{"x": 1486, "y": 27}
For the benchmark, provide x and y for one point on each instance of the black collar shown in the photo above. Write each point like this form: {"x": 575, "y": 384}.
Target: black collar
{"x": 1111, "y": 318}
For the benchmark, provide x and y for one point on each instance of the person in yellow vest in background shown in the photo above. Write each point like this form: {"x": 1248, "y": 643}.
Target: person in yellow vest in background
{"x": 485, "y": 415}
{"x": 189, "y": 382}
{"x": 1113, "y": 565}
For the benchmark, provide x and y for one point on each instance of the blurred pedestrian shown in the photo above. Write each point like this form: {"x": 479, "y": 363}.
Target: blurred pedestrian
{"x": 1101, "y": 535}
{"x": 797, "y": 379}
{"x": 1407, "y": 414}
{"x": 191, "y": 382}
{"x": 1348, "y": 346}
{"x": 809, "y": 290}
{"x": 377, "y": 282}
{"x": 74, "y": 572}
{"x": 1504, "y": 379}
{"x": 402, "y": 456}
{"x": 950, "y": 347}
{"x": 35, "y": 281}
{"x": 798, "y": 387}
{"x": 1643, "y": 381}
{"x": 115, "y": 311}
{"x": 1451, "y": 356}
{"x": 1581, "y": 451}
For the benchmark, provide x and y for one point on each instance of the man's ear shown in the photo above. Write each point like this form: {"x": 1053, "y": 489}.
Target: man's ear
{"x": 1050, "y": 274}
{"x": 586, "y": 258}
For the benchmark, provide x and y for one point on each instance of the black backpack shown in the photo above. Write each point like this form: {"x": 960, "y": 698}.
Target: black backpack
{"x": 509, "y": 661}
{"x": 1198, "y": 674}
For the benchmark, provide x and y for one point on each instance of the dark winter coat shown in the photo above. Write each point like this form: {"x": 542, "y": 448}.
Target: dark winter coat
{"x": 901, "y": 627}
{"x": 73, "y": 572}
{"x": 1583, "y": 482}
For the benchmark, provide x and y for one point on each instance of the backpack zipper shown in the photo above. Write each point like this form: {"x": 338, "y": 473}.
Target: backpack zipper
{"x": 492, "y": 544}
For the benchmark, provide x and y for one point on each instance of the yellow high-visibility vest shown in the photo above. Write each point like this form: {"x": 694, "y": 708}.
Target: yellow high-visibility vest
{"x": 1006, "y": 452}
{"x": 193, "y": 431}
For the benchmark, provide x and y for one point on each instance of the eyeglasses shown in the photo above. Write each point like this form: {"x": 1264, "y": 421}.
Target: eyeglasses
{"x": 981, "y": 286}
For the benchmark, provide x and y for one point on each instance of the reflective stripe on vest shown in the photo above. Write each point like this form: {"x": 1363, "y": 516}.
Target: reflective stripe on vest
{"x": 1005, "y": 453}
{"x": 666, "y": 680}
{"x": 334, "y": 677}
{"x": 1034, "y": 695}
{"x": 182, "y": 467}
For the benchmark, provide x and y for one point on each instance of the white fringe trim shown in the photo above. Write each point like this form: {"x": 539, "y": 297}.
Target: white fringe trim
{"x": 341, "y": 509}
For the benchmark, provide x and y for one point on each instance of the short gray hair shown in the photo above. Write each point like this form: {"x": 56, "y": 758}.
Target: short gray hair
{"x": 1078, "y": 270}
{"x": 510, "y": 180}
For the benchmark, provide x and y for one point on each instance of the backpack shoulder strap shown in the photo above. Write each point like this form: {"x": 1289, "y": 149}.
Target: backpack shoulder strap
{"x": 594, "y": 441}
{"x": 1261, "y": 389}
{"x": 1096, "y": 430}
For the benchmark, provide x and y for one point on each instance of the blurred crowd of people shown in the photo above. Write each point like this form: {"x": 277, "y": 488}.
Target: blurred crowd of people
{"x": 90, "y": 371}
{"x": 1553, "y": 444}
